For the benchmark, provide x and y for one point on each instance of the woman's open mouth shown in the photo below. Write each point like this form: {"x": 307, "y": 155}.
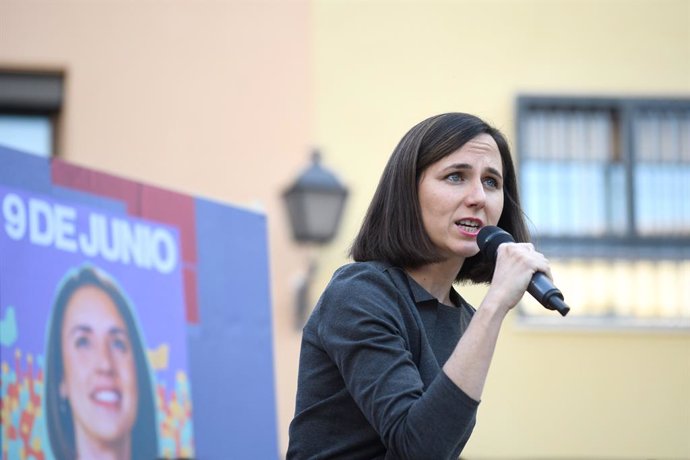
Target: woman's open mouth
{"x": 469, "y": 226}
{"x": 107, "y": 398}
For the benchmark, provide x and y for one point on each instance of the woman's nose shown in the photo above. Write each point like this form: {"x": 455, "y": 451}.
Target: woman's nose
{"x": 104, "y": 359}
{"x": 476, "y": 195}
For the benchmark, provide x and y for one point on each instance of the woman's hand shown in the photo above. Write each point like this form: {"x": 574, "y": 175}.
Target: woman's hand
{"x": 516, "y": 263}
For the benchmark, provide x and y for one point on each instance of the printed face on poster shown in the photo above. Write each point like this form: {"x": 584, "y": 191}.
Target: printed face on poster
{"x": 92, "y": 332}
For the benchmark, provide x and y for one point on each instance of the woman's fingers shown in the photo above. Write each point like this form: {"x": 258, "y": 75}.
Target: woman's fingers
{"x": 516, "y": 263}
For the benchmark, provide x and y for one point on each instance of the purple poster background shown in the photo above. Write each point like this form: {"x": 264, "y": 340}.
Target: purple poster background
{"x": 228, "y": 314}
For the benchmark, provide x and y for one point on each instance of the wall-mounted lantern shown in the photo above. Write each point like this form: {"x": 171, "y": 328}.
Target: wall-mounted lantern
{"x": 315, "y": 203}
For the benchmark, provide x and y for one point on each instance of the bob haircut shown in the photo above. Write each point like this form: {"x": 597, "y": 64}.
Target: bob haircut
{"x": 393, "y": 231}
{"x": 59, "y": 418}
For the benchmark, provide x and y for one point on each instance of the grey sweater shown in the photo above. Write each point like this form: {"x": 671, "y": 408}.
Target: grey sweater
{"x": 370, "y": 382}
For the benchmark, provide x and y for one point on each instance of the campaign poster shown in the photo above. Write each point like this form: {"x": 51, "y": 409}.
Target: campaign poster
{"x": 93, "y": 344}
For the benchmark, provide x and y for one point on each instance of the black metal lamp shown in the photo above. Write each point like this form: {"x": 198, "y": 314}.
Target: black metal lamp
{"x": 315, "y": 203}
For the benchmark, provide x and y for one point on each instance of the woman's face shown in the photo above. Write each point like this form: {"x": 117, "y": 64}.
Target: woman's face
{"x": 99, "y": 371}
{"x": 461, "y": 193}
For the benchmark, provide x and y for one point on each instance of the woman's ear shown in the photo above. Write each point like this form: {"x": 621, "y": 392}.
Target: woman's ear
{"x": 63, "y": 389}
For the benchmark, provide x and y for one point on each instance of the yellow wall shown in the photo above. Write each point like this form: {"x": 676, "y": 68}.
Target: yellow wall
{"x": 223, "y": 99}
{"x": 382, "y": 66}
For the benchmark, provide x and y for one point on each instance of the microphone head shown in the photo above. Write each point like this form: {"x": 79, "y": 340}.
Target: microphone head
{"x": 490, "y": 238}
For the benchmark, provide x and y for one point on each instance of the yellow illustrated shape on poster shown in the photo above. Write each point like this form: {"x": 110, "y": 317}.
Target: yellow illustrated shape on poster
{"x": 158, "y": 357}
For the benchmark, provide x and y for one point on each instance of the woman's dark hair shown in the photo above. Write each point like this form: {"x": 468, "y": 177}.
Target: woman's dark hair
{"x": 393, "y": 230}
{"x": 59, "y": 418}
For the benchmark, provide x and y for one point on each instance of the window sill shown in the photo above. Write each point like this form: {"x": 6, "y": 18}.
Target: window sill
{"x": 603, "y": 324}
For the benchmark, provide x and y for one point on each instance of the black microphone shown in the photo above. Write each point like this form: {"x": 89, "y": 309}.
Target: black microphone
{"x": 541, "y": 287}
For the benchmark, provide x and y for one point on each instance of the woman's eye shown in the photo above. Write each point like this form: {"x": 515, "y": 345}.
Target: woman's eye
{"x": 454, "y": 177}
{"x": 120, "y": 345}
{"x": 82, "y": 342}
{"x": 491, "y": 182}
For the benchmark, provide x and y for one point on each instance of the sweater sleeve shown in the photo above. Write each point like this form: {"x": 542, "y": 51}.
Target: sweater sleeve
{"x": 363, "y": 332}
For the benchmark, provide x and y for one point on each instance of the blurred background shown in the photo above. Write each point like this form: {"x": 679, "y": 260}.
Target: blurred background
{"x": 227, "y": 99}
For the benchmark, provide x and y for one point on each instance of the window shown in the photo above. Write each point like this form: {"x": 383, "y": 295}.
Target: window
{"x": 30, "y": 103}
{"x": 606, "y": 188}
{"x": 28, "y": 133}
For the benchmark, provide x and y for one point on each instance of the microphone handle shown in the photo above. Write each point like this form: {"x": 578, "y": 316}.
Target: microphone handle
{"x": 541, "y": 288}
